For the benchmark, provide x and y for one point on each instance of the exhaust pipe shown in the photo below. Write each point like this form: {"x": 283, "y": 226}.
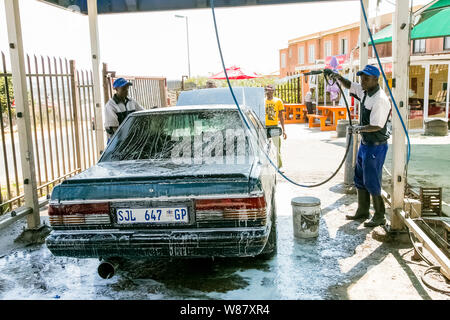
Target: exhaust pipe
{"x": 107, "y": 269}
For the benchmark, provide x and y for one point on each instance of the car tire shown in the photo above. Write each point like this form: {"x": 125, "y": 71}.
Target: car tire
{"x": 270, "y": 249}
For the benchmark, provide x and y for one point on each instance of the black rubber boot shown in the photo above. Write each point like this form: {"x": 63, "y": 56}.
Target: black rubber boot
{"x": 378, "y": 218}
{"x": 363, "y": 206}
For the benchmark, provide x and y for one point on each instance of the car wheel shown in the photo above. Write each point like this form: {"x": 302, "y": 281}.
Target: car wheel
{"x": 270, "y": 249}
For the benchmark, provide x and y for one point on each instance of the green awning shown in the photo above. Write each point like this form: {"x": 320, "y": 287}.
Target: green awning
{"x": 382, "y": 36}
{"x": 439, "y": 4}
{"x": 436, "y": 26}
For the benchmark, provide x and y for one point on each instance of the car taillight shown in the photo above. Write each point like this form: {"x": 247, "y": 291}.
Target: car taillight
{"x": 69, "y": 214}
{"x": 232, "y": 208}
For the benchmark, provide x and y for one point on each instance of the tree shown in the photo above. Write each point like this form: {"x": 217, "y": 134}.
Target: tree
{"x": 3, "y": 93}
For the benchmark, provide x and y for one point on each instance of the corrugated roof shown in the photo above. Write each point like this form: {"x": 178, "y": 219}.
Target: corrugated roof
{"x": 122, "y": 6}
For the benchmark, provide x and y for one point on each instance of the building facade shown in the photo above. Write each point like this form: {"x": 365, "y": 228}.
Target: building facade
{"x": 430, "y": 61}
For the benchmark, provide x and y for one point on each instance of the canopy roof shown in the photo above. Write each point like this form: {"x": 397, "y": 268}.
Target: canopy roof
{"x": 434, "y": 27}
{"x": 121, "y": 6}
{"x": 435, "y": 23}
{"x": 382, "y": 36}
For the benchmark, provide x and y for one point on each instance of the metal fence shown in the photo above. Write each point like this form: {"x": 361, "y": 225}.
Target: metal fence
{"x": 62, "y": 109}
{"x": 291, "y": 91}
{"x": 149, "y": 92}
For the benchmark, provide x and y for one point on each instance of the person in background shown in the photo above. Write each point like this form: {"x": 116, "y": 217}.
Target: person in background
{"x": 308, "y": 101}
{"x": 119, "y": 107}
{"x": 274, "y": 108}
{"x": 210, "y": 84}
{"x": 375, "y": 110}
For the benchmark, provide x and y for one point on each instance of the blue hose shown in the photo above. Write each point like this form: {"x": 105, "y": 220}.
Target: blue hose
{"x": 248, "y": 126}
{"x": 387, "y": 84}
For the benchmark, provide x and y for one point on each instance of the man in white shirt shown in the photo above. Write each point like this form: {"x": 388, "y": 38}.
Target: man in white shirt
{"x": 308, "y": 101}
{"x": 119, "y": 106}
{"x": 374, "y": 114}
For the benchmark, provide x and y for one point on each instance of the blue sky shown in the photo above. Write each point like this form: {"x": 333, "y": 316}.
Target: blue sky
{"x": 154, "y": 44}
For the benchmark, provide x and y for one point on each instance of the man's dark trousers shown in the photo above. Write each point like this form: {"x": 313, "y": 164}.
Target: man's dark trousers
{"x": 369, "y": 167}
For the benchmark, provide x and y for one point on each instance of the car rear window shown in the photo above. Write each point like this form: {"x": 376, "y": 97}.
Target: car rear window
{"x": 201, "y": 136}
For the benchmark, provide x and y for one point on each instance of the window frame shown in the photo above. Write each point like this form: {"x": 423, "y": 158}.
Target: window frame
{"x": 302, "y": 50}
{"x": 311, "y": 57}
{"x": 420, "y": 49}
{"x": 343, "y": 48}
{"x": 447, "y": 43}
{"x": 330, "y": 43}
{"x": 283, "y": 60}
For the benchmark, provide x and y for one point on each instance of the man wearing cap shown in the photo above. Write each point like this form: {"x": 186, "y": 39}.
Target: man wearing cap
{"x": 375, "y": 109}
{"x": 119, "y": 106}
{"x": 274, "y": 114}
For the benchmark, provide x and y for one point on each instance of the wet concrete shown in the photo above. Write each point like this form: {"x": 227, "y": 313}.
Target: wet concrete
{"x": 343, "y": 262}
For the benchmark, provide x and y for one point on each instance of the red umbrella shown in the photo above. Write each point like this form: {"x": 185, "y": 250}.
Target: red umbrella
{"x": 235, "y": 73}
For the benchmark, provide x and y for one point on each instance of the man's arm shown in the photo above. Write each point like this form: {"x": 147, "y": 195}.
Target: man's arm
{"x": 345, "y": 82}
{"x": 281, "y": 117}
{"x": 366, "y": 128}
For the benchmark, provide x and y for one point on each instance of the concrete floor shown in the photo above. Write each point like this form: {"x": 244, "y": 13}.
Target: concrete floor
{"x": 346, "y": 261}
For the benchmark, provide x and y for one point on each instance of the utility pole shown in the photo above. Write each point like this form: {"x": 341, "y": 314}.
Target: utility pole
{"x": 13, "y": 24}
{"x": 95, "y": 55}
{"x": 187, "y": 39}
{"x": 401, "y": 56}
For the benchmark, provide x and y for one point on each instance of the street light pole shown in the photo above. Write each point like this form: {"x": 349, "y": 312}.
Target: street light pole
{"x": 187, "y": 39}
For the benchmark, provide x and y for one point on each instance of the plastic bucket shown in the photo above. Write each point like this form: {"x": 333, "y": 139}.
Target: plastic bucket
{"x": 306, "y": 216}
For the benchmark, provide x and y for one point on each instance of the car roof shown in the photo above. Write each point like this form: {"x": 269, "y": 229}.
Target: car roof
{"x": 190, "y": 108}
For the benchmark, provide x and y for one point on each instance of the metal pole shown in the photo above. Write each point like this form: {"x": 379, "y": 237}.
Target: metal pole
{"x": 401, "y": 54}
{"x": 363, "y": 37}
{"x": 350, "y": 162}
{"x": 12, "y": 12}
{"x": 189, "y": 59}
{"x": 95, "y": 54}
{"x": 448, "y": 92}
{"x": 426, "y": 95}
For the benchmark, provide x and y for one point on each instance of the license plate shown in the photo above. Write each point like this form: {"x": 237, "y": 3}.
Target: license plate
{"x": 152, "y": 215}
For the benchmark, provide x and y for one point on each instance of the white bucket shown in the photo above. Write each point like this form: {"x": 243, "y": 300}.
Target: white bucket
{"x": 306, "y": 216}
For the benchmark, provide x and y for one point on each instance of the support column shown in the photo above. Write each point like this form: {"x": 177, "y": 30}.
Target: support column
{"x": 426, "y": 93}
{"x": 401, "y": 55}
{"x": 448, "y": 92}
{"x": 13, "y": 23}
{"x": 95, "y": 55}
{"x": 363, "y": 37}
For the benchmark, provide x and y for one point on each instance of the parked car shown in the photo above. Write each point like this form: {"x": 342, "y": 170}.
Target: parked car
{"x": 151, "y": 195}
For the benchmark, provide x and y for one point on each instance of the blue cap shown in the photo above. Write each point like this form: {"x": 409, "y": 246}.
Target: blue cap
{"x": 121, "y": 82}
{"x": 370, "y": 71}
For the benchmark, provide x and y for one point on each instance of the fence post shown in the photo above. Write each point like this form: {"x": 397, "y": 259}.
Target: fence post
{"x": 76, "y": 112}
{"x": 23, "y": 111}
{"x": 163, "y": 93}
{"x": 106, "y": 96}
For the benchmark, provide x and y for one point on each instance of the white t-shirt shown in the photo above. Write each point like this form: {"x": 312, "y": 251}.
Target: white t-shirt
{"x": 379, "y": 104}
{"x": 112, "y": 109}
{"x": 308, "y": 97}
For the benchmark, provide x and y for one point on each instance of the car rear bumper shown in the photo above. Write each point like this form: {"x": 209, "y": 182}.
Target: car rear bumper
{"x": 232, "y": 242}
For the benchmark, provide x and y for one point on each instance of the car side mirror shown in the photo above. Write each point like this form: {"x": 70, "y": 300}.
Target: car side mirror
{"x": 274, "y": 132}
